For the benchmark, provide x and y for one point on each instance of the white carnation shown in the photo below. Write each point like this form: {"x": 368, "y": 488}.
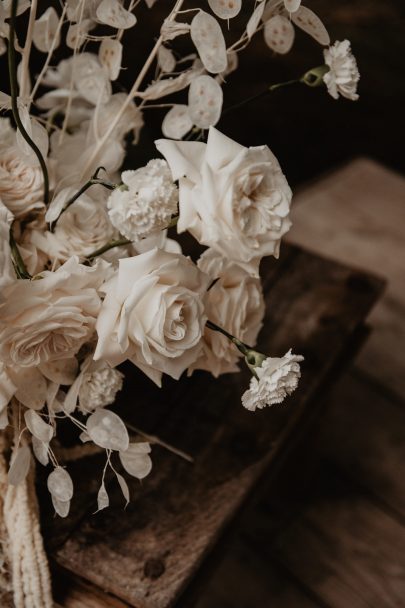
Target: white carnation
{"x": 343, "y": 74}
{"x": 99, "y": 388}
{"x": 148, "y": 203}
{"x": 277, "y": 377}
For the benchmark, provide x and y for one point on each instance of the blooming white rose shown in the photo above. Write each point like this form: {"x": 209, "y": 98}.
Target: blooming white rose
{"x": 50, "y": 318}
{"x": 343, "y": 75}
{"x": 153, "y": 314}
{"x": 235, "y": 303}
{"x": 21, "y": 182}
{"x": 81, "y": 229}
{"x": 233, "y": 199}
{"x": 148, "y": 202}
{"x": 277, "y": 377}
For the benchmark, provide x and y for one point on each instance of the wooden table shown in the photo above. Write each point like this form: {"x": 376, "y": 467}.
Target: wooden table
{"x": 149, "y": 554}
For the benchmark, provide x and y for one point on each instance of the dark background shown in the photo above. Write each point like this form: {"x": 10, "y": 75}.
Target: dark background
{"x": 307, "y": 130}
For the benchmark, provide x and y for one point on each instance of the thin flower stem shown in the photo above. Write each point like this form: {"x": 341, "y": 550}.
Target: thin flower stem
{"x": 19, "y": 266}
{"x": 14, "y": 103}
{"x": 50, "y": 53}
{"x": 25, "y": 84}
{"x": 158, "y": 441}
{"x": 244, "y": 348}
{"x": 122, "y": 242}
{"x": 260, "y": 95}
{"x": 72, "y": 76}
{"x": 92, "y": 182}
{"x": 107, "y": 247}
{"x": 132, "y": 93}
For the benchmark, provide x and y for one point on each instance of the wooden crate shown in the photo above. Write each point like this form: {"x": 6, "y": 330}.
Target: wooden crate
{"x": 148, "y": 555}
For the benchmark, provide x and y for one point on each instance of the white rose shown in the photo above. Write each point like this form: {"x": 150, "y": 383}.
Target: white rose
{"x": 50, "y": 318}
{"x": 81, "y": 229}
{"x": 21, "y": 182}
{"x": 343, "y": 75}
{"x": 233, "y": 199}
{"x": 153, "y": 314}
{"x": 235, "y": 302}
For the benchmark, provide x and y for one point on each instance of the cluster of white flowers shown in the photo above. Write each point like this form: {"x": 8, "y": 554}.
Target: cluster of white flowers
{"x": 89, "y": 278}
{"x": 145, "y": 203}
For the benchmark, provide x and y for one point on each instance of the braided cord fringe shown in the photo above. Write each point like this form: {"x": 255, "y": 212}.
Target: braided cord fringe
{"x": 22, "y": 542}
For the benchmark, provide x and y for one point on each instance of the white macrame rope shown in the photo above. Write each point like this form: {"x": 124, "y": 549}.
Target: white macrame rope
{"x": 25, "y": 554}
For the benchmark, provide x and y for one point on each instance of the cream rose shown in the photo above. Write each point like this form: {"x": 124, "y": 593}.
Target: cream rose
{"x": 233, "y": 199}
{"x": 50, "y": 318}
{"x": 153, "y": 314}
{"x": 21, "y": 183}
{"x": 81, "y": 229}
{"x": 234, "y": 302}
{"x": 7, "y": 274}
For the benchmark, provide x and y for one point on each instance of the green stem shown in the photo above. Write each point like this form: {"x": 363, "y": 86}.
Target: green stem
{"x": 19, "y": 266}
{"x": 260, "y": 95}
{"x": 244, "y": 348}
{"x": 122, "y": 242}
{"x": 92, "y": 182}
{"x": 14, "y": 104}
{"x": 107, "y": 247}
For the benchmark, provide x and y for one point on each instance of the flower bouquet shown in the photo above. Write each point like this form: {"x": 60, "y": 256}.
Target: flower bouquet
{"x": 89, "y": 276}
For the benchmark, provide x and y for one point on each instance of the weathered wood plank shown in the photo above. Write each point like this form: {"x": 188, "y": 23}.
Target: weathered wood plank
{"x": 373, "y": 452}
{"x": 346, "y": 549}
{"x": 147, "y": 554}
{"x": 357, "y": 215}
{"x": 246, "y": 579}
{"x": 71, "y": 592}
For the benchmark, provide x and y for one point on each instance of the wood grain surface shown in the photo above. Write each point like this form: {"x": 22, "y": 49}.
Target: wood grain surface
{"x": 147, "y": 554}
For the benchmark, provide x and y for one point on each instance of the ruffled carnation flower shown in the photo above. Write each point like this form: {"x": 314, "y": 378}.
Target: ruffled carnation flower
{"x": 99, "y": 388}
{"x": 277, "y": 377}
{"x": 343, "y": 74}
{"x": 233, "y": 199}
{"x": 147, "y": 204}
